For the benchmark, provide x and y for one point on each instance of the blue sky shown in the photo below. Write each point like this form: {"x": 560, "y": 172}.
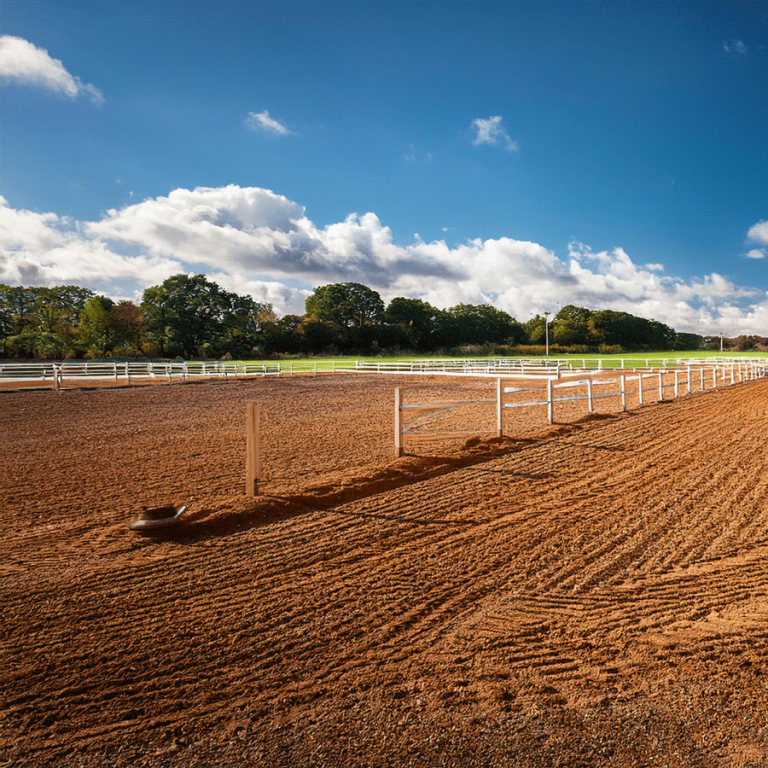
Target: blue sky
{"x": 527, "y": 153}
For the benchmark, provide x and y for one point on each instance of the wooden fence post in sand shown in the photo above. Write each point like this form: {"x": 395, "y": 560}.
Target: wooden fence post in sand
{"x": 398, "y": 425}
{"x": 252, "y": 449}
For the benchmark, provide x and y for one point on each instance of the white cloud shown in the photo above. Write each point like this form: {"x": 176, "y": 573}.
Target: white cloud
{"x": 734, "y": 46}
{"x": 492, "y": 132}
{"x": 262, "y": 121}
{"x": 24, "y": 63}
{"x": 758, "y": 233}
{"x": 252, "y": 240}
{"x": 755, "y": 253}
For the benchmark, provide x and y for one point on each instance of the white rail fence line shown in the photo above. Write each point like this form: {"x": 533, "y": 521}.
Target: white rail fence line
{"x": 57, "y": 372}
{"x": 691, "y": 378}
{"x": 125, "y": 372}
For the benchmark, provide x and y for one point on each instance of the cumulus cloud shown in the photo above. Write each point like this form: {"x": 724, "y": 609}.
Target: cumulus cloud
{"x": 758, "y": 233}
{"x": 492, "y": 132}
{"x": 261, "y": 121}
{"x": 24, "y": 63}
{"x": 252, "y": 240}
{"x": 755, "y": 253}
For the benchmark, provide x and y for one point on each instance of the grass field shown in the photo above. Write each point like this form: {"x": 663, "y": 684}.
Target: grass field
{"x": 631, "y": 360}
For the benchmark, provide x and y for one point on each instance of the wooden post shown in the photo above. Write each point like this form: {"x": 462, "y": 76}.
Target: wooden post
{"x": 688, "y": 380}
{"x": 640, "y": 387}
{"x": 114, "y": 365}
{"x": 314, "y": 373}
{"x": 701, "y": 377}
{"x": 398, "y": 425}
{"x": 714, "y": 377}
{"x": 677, "y": 383}
{"x": 56, "y": 377}
{"x": 589, "y": 395}
{"x": 499, "y": 408}
{"x": 252, "y": 449}
{"x": 661, "y": 385}
{"x": 550, "y": 399}
{"x": 127, "y": 375}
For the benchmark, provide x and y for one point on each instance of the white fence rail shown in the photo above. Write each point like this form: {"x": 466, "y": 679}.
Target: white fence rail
{"x": 125, "y": 373}
{"x": 56, "y": 374}
{"x": 685, "y": 380}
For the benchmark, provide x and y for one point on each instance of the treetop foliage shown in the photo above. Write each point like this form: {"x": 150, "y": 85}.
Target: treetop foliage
{"x": 191, "y": 316}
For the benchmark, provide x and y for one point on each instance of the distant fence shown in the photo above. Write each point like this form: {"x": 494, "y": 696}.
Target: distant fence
{"x": 128, "y": 372}
{"x": 55, "y": 374}
{"x": 590, "y": 387}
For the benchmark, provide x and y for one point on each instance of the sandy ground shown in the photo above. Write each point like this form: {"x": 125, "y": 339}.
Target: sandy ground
{"x": 585, "y": 594}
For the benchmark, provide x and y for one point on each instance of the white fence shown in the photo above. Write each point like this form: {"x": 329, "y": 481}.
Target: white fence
{"x": 125, "y": 373}
{"x": 576, "y": 386}
{"x": 55, "y": 374}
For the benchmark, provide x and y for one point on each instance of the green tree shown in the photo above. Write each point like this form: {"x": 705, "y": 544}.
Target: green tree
{"x": 190, "y": 314}
{"x": 483, "y": 323}
{"x": 414, "y": 318}
{"x": 57, "y": 309}
{"x": 535, "y": 331}
{"x": 571, "y": 326}
{"x": 17, "y": 309}
{"x": 127, "y": 326}
{"x": 95, "y": 326}
{"x": 346, "y": 304}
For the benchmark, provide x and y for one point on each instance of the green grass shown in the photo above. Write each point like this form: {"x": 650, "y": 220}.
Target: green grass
{"x": 631, "y": 360}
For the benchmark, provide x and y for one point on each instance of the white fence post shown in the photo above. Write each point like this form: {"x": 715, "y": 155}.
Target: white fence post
{"x": 499, "y": 408}
{"x": 589, "y": 395}
{"x": 127, "y": 375}
{"x": 640, "y": 387}
{"x": 623, "y": 391}
{"x": 677, "y": 383}
{"x": 661, "y": 385}
{"x": 398, "y": 425}
{"x": 701, "y": 376}
{"x": 550, "y": 398}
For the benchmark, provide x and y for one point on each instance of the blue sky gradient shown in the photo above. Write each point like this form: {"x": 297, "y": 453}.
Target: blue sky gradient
{"x": 598, "y": 152}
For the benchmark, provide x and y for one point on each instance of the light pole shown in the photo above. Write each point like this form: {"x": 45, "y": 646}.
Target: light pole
{"x": 546, "y": 332}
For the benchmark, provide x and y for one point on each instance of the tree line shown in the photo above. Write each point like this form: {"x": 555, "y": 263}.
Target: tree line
{"x": 191, "y": 317}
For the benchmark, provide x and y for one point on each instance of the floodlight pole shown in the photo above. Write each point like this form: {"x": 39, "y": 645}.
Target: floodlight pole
{"x": 546, "y": 332}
